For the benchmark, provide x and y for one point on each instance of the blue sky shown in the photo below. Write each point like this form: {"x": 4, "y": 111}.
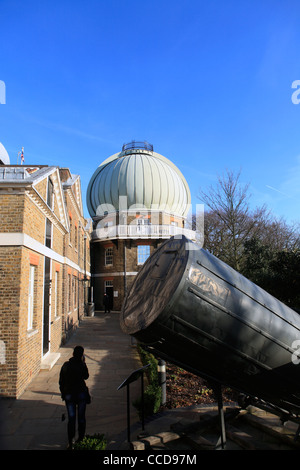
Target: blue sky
{"x": 208, "y": 83}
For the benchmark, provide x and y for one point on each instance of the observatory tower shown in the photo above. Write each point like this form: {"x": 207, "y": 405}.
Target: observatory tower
{"x": 136, "y": 198}
{"x": 4, "y": 157}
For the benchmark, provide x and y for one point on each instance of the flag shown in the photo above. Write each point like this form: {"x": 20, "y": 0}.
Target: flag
{"x": 22, "y": 156}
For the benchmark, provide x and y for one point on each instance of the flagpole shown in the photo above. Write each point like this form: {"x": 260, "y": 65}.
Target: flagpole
{"x": 22, "y": 156}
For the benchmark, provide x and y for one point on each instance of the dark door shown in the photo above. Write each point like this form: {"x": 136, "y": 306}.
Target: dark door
{"x": 46, "y": 316}
{"x": 110, "y": 292}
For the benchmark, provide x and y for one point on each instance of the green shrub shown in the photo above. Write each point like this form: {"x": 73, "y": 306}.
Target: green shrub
{"x": 95, "y": 442}
{"x": 152, "y": 401}
{"x": 152, "y": 393}
{"x": 148, "y": 358}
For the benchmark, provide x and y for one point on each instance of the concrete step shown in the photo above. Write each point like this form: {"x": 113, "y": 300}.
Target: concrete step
{"x": 49, "y": 361}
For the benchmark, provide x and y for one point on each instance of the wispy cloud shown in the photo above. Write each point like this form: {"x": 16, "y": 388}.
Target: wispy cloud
{"x": 289, "y": 186}
{"x": 63, "y": 128}
{"x": 277, "y": 190}
{"x": 71, "y": 130}
{"x": 284, "y": 198}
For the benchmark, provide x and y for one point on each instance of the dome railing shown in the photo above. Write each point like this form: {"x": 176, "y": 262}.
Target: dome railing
{"x": 137, "y": 145}
{"x": 140, "y": 231}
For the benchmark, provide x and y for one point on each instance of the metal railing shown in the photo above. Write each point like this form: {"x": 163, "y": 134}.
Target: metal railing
{"x": 141, "y": 231}
{"x": 137, "y": 145}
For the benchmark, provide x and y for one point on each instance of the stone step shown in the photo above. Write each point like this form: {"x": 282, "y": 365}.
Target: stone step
{"x": 158, "y": 439}
{"x": 49, "y": 361}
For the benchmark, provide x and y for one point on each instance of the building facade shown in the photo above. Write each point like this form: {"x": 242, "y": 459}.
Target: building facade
{"x": 44, "y": 268}
{"x": 137, "y": 198}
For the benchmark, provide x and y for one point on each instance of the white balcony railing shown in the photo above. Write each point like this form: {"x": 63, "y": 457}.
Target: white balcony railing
{"x": 141, "y": 231}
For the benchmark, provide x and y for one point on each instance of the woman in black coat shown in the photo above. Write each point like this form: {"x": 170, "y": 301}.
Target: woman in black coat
{"x": 75, "y": 392}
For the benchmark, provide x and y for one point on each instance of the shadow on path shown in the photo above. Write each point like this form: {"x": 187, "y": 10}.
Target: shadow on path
{"x": 34, "y": 421}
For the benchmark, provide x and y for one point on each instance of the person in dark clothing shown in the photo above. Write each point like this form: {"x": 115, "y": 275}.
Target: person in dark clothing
{"x": 75, "y": 392}
{"x": 106, "y": 303}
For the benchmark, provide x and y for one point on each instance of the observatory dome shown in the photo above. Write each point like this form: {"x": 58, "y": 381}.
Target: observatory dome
{"x": 4, "y": 157}
{"x": 148, "y": 180}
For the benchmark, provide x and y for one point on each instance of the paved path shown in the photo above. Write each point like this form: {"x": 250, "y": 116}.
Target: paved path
{"x": 34, "y": 420}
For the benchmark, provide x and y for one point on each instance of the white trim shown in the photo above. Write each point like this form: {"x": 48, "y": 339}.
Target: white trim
{"x": 42, "y": 205}
{"x": 56, "y": 294}
{"x": 131, "y": 273}
{"x": 50, "y": 310}
{"x": 22, "y": 239}
{"x": 31, "y": 297}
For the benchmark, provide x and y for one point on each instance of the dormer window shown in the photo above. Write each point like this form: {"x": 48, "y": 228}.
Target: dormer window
{"x": 50, "y": 194}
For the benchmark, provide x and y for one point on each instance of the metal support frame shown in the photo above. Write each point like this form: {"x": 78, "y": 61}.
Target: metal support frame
{"x": 132, "y": 378}
{"x": 161, "y": 369}
{"x": 217, "y": 388}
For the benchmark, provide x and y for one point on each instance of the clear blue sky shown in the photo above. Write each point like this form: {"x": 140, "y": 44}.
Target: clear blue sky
{"x": 208, "y": 83}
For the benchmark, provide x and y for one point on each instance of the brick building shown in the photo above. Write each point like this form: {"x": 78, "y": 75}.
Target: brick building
{"x": 136, "y": 198}
{"x": 44, "y": 268}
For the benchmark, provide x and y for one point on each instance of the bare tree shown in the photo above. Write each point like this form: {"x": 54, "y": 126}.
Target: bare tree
{"x": 281, "y": 236}
{"x": 229, "y": 221}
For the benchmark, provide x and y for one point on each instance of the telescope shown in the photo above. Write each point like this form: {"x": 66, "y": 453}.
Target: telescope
{"x": 193, "y": 310}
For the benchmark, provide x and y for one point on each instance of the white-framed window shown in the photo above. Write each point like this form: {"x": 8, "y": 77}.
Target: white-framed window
{"x": 74, "y": 292}
{"x": 143, "y": 252}
{"x": 31, "y": 297}
{"x": 48, "y": 235}
{"x": 56, "y": 295}
{"x": 2, "y": 352}
{"x": 76, "y": 237}
{"x": 109, "y": 256}
{"x": 107, "y": 284}
{"x": 50, "y": 194}
{"x": 69, "y": 293}
{"x": 143, "y": 221}
{"x": 71, "y": 229}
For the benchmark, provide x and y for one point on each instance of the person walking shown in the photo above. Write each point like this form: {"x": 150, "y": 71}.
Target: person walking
{"x": 75, "y": 393}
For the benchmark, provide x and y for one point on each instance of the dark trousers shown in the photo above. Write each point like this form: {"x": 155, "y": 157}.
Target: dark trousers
{"x": 76, "y": 405}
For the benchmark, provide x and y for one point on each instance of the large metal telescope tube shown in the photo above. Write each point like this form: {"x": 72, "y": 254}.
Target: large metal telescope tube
{"x": 195, "y": 311}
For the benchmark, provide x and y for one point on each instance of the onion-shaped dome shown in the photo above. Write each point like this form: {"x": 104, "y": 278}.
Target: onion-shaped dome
{"x": 147, "y": 179}
{"x": 4, "y": 157}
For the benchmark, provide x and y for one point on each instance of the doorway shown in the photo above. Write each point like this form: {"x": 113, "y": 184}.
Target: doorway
{"x": 46, "y": 312}
{"x": 109, "y": 290}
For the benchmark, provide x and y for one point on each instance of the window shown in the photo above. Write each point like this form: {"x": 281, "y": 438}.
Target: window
{"x": 109, "y": 256}
{"x": 143, "y": 221}
{"x": 108, "y": 223}
{"x": 31, "y": 298}
{"x": 76, "y": 237}
{"x": 50, "y": 194}
{"x": 56, "y": 295}
{"x": 69, "y": 293}
{"x": 70, "y": 233}
{"x": 143, "y": 253}
{"x": 2, "y": 352}
{"x": 107, "y": 285}
{"x": 74, "y": 293}
{"x": 48, "y": 238}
